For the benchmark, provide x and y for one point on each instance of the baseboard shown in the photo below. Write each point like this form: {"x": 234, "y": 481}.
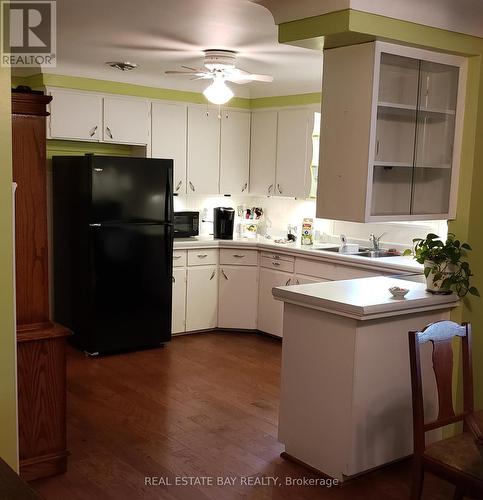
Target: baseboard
{"x": 290, "y": 458}
{"x": 43, "y": 466}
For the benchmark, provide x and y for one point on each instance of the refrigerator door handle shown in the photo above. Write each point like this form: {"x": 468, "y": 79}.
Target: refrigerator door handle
{"x": 169, "y": 198}
{"x": 95, "y": 225}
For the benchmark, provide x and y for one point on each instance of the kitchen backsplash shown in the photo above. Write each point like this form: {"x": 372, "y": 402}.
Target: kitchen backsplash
{"x": 279, "y": 212}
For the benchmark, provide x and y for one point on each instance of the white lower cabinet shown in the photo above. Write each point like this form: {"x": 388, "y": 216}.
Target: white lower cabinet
{"x": 270, "y": 311}
{"x": 178, "y": 320}
{"x": 202, "y": 298}
{"x": 238, "y": 292}
{"x": 232, "y": 288}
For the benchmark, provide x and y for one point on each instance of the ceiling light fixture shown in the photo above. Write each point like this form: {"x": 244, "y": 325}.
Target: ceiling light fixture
{"x": 122, "y": 65}
{"x": 218, "y": 92}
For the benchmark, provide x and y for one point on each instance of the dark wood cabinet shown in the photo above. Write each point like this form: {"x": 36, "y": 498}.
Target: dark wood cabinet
{"x": 40, "y": 342}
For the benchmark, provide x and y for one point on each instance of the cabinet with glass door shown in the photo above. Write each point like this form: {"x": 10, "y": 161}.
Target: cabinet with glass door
{"x": 409, "y": 171}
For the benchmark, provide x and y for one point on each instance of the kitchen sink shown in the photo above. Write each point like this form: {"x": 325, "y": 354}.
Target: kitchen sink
{"x": 337, "y": 250}
{"x": 364, "y": 252}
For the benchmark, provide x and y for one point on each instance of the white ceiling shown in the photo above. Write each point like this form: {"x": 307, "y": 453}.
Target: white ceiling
{"x": 163, "y": 34}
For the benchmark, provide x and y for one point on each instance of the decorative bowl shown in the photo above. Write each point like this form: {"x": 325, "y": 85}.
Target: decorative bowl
{"x": 398, "y": 292}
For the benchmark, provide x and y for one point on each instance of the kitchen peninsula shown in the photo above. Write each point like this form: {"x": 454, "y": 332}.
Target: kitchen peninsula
{"x": 345, "y": 405}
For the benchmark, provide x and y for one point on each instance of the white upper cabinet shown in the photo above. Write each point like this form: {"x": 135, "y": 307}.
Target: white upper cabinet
{"x": 294, "y": 152}
{"x": 168, "y": 136}
{"x": 75, "y": 115}
{"x": 263, "y": 152}
{"x": 282, "y": 151}
{"x": 126, "y": 120}
{"x": 234, "y": 152}
{"x": 391, "y": 133}
{"x": 203, "y": 150}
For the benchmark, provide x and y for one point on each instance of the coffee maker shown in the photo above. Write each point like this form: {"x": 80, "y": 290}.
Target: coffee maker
{"x": 223, "y": 222}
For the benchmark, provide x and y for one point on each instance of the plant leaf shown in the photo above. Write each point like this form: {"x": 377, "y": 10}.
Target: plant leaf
{"x": 474, "y": 291}
{"x": 408, "y": 251}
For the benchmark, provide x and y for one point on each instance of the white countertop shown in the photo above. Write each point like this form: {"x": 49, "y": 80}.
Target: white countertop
{"x": 365, "y": 298}
{"x": 398, "y": 263}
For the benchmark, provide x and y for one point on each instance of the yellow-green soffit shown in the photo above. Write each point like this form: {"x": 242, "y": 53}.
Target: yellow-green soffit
{"x": 349, "y": 26}
{"x": 285, "y": 100}
{"x": 110, "y": 87}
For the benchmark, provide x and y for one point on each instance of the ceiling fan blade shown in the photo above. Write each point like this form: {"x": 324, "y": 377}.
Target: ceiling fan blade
{"x": 260, "y": 78}
{"x": 198, "y": 70}
{"x": 191, "y": 73}
{"x": 237, "y": 79}
{"x": 204, "y": 77}
{"x": 242, "y": 78}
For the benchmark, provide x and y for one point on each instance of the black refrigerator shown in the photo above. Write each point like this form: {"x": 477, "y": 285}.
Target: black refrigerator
{"x": 113, "y": 251}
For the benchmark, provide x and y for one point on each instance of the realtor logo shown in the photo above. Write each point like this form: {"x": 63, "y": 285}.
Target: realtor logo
{"x": 28, "y": 33}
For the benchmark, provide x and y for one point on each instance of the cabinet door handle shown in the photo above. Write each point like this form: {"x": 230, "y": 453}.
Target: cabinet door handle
{"x": 288, "y": 282}
{"x": 191, "y": 186}
{"x": 224, "y": 275}
{"x": 279, "y": 189}
{"x": 377, "y": 147}
{"x": 109, "y": 133}
{"x": 277, "y": 264}
{"x": 245, "y": 186}
{"x": 92, "y": 131}
{"x": 270, "y": 188}
{"x": 238, "y": 256}
{"x": 276, "y": 257}
{"x": 178, "y": 185}
{"x": 213, "y": 275}
{"x": 202, "y": 255}
{"x": 176, "y": 257}
{"x": 173, "y": 279}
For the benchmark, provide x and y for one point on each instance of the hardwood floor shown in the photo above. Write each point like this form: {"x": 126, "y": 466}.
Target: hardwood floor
{"x": 206, "y": 405}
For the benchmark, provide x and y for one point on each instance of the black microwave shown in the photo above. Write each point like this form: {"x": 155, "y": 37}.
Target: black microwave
{"x": 186, "y": 224}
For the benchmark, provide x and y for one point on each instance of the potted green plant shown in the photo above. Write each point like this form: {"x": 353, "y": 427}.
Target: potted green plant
{"x": 445, "y": 265}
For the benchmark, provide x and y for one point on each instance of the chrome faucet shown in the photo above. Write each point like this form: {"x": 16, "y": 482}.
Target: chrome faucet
{"x": 375, "y": 240}
{"x": 343, "y": 242}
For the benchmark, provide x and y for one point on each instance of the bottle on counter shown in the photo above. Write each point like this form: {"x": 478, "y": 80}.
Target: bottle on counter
{"x": 307, "y": 231}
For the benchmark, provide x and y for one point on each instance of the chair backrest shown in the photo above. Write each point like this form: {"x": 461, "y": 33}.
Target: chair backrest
{"x": 441, "y": 335}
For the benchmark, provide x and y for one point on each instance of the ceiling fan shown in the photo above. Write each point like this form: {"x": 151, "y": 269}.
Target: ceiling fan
{"x": 219, "y": 66}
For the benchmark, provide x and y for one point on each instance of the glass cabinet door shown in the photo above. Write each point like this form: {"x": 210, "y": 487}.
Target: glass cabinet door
{"x": 438, "y": 89}
{"x": 415, "y": 128}
{"x": 395, "y": 135}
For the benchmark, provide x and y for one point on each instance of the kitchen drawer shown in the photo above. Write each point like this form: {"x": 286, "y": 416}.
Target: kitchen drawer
{"x": 316, "y": 268}
{"x": 281, "y": 265}
{"x": 203, "y": 257}
{"x": 278, "y": 256}
{"x": 349, "y": 273}
{"x": 330, "y": 271}
{"x": 179, "y": 258}
{"x": 238, "y": 257}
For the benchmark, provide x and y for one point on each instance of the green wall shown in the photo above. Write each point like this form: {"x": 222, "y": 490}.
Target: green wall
{"x": 8, "y": 400}
{"x": 349, "y": 27}
{"x": 110, "y": 87}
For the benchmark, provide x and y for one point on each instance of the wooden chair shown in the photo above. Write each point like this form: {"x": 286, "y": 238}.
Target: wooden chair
{"x": 458, "y": 459}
